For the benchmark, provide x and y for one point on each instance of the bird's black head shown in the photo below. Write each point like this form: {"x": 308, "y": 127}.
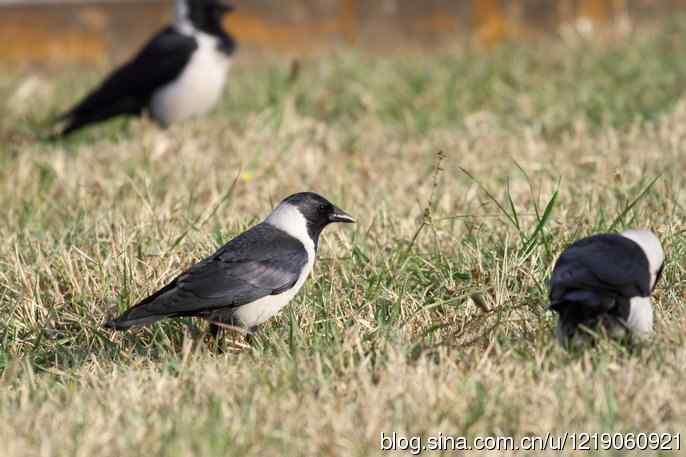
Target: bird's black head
{"x": 207, "y": 15}
{"x": 317, "y": 211}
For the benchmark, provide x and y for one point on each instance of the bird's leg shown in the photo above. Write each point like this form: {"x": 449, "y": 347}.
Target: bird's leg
{"x": 217, "y": 328}
{"x": 196, "y": 334}
{"x": 214, "y": 330}
{"x": 250, "y": 336}
{"x": 214, "y": 333}
{"x": 195, "y": 331}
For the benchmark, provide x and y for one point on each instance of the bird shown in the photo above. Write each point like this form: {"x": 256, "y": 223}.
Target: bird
{"x": 249, "y": 279}
{"x": 178, "y": 74}
{"x": 602, "y": 285}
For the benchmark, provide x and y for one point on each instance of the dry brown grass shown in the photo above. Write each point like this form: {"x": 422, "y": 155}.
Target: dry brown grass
{"x": 384, "y": 337}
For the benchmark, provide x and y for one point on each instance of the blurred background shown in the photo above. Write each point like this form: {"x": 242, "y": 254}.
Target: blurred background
{"x": 97, "y": 31}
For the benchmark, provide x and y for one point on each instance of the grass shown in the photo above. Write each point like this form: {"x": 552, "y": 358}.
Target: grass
{"x": 426, "y": 317}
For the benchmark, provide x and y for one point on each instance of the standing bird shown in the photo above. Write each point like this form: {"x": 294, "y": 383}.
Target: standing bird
{"x": 249, "y": 279}
{"x": 603, "y": 283}
{"x": 178, "y": 74}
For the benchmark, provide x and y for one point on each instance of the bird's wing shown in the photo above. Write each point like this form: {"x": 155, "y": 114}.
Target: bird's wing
{"x": 127, "y": 89}
{"x": 606, "y": 264}
{"x": 260, "y": 262}
{"x": 244, "y": 271}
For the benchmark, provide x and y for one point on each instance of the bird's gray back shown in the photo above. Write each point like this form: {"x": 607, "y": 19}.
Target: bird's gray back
{"x": 607, "y": 263}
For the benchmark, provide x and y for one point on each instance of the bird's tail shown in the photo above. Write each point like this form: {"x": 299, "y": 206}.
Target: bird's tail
{"x": 69, "y": 122}
{"x": 89, "y": 112}
{"x": 145, "y": 312}
{"x": 125, "y": 322}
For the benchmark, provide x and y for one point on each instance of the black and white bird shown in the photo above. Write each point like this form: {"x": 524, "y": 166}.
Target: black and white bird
{"x": 603, "y": 284}
{"x": 249, "y": 279}
{"x": 179, "y": 73}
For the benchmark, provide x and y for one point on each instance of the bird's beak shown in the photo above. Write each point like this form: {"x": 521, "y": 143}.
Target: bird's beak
{"x": 338, "y": 215}
{"x": 224, "y": 6}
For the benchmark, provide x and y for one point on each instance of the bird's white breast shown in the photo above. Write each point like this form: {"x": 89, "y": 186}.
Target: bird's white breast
{"x": 263, "y": 309}
{"x": 287, "y": 218}
{"x": 640, "y": 320}
{"x": 199, "y": 86}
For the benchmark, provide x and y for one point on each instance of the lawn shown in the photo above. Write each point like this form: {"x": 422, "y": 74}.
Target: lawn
{"x": 468, "y": 171}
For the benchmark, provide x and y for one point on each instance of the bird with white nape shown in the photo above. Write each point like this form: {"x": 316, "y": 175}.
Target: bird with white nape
{"x": 180, "y": 73}
{"x": 602, "y": 284}
{"x": 249, "y": 279}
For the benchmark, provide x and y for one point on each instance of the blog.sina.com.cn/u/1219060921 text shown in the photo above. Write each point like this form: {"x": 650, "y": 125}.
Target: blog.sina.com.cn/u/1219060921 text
{"x": 416, "y": 444}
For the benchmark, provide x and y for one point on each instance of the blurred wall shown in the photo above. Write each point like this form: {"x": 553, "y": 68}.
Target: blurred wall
{"x": 92, "y": 31}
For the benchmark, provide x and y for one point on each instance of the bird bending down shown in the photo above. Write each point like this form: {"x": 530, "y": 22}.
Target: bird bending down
{"x": 249, "y": 279}
{"x": 603, "y": 283}
{"x": 179, "y": 73}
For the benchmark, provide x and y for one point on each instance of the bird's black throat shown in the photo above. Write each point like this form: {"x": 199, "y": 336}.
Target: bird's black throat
{"x": 314, "y": 229}
{"x": 207, "y": 17}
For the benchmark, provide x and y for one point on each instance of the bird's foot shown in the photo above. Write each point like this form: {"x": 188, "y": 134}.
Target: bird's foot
{"x": 217, "y": 328}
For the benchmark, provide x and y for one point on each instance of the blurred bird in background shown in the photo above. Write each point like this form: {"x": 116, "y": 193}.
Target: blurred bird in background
{"x": 179, "y": 73}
